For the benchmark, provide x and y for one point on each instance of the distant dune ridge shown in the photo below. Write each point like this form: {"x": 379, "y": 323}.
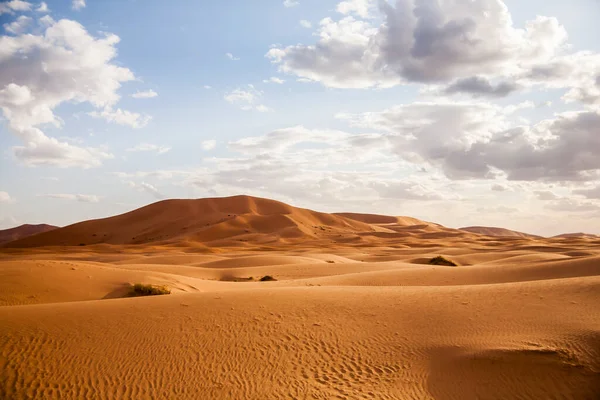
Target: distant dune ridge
{"x": 500, "y": 232}
{"x": 23, "y": 231}
{"x": 354, "y": 310}
{"x": 214, "y": 219}
{"x": 236, "y": 220}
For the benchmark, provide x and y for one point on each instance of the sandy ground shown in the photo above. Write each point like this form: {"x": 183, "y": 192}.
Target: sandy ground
{"x": 363, "y": 318}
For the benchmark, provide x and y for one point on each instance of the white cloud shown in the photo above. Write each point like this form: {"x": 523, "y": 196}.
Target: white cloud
{"x": 247, "y": 99}
{"x": 477, "y": 140}
{"x": 436, "y": 43}
{"x": 63, "y": 64}
{"x": 122, "y": 117}
{"x": 207, "y": 87}
{"x": 5, "y": 198}
{"x": 209, "y": 144}
{"x": 82, "y": 198}
{"x": 148, "y": 188}
{"x": 362, "y": 8}
{"x": 305, "y": 24}
{"x": 143, "y": 147}
{"x": 290, "y": 3}
{"x": 18, "y": 26}
{"x": 148, "y": 94}
{"x": 9, "y": 7}
{"x": 43, "y": 8}
{"x": 274, "y": 79}
{"x": 78, "y": 4}
{"x": 231, "y": 57}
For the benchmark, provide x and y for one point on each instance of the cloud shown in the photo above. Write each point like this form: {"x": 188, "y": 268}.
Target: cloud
{"x": 290, "y": 3}
{"x": 418, "y": 41}
{"x": 40, "y": 72}
{"x": 209, "y": 144}
{"x": 43, "y": 8}
{"x": 144, "y": 147}
{"x": 148, "y": 188}
{"x": 477, "y": 141}
{"x": 19, "y": 25}
{"x": 479, "y": 86}
{"x": 274, "y": 79}
{"x": 77, "y": 4}
{"x": 148, "y": 94}
{"x": 10, "y": 7}
{"x": 362, "y": 8}
{"x": 305, "y": 23}
{"x": 82, "y": 198}
{"x": 572, "y": 205}
{"x": 247, "y": 98}
{"x": 122, "y": 117}
{"x": 207, "y": 87}
{"x": 5, "y": 198}
{"x": 590, "y": 193}
{"x": 231, "y": 57}
{"x": 545, "y": 195}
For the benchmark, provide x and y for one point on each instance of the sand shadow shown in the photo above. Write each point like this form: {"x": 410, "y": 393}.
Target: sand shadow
{"x": 119, "y": 293}
{"x": 525, "y": 373}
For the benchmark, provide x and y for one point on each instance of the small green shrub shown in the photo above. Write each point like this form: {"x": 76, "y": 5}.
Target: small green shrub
{"x": 267, "y": 278}
{"x": 439, "y": 260}
{"x": 140, "y": 289}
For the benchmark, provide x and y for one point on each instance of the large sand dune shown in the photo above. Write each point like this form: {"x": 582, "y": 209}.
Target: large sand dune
{"x": 356, "y": 312}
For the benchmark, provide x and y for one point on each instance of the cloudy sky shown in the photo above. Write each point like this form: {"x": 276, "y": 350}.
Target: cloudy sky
{"x": 481, "y": 112}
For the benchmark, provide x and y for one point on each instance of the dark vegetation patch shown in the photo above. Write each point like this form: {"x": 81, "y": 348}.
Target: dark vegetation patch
{"x": 140, "y": 289}
{"x": 267, "y": 278}
{"x": 440, "y": 260}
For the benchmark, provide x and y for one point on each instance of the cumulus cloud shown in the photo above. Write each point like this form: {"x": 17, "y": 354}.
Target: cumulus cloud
{"x": 231, "y": 57}
{"x": 77, "y": 4}
{"x": 43, "y": 8}
{"x": 208, "y": 144}
{"x": 9, "y": 7}
{"x": 290, "y": 3}
{"x": 479, "y": 86}
{"x": 40, "y": 72}
{"x": 148, "y": 94}
{"x": 82, "y": 198}
{"x": 476, "y": 140}
{"x": 362, "y": 8}
{"x": 247, "y": 98}
{"x": 19, "y": 25}
{"x": 421, "y": 41}
{"x": 145, "y": 147}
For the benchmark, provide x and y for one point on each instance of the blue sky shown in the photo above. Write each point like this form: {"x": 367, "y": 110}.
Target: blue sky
{"x": 320, "y": 104}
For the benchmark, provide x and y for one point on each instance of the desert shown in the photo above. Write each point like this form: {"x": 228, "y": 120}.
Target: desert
{"x": 355, "y": 311}
{"x": 300, "y": 199}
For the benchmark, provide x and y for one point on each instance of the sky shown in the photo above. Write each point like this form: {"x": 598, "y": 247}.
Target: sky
{"x": 480, "y": 112}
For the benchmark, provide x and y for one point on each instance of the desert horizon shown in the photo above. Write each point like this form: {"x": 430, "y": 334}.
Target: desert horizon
{"x": 300, "y": 199}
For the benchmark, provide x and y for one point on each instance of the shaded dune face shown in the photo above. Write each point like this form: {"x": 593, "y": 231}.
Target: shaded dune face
{"x": 23, "y": 231}
{"x": 354, "y": 308}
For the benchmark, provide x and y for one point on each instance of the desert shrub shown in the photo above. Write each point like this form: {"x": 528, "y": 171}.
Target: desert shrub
{"x": 267, "y": 278}
{"x": 140, "y": 289}
{"x": 440, "y": 260}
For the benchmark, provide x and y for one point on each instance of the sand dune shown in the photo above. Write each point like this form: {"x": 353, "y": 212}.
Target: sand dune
{"x": 23, "y": 231}
{"x": 356, "y": 312}
{"x": 492, "y": 231}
